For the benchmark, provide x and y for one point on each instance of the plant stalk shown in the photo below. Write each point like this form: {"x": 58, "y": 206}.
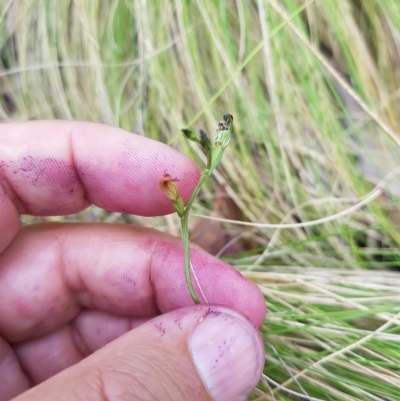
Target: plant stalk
{"x": 185, "y": 235}
{"x": 167, "y": 185}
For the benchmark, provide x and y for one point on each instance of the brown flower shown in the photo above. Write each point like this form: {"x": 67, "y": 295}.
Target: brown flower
{"x": 168, "y": 186}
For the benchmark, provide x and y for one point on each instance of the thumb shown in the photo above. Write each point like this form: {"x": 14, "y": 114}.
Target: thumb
{"x": 198, "y": 353}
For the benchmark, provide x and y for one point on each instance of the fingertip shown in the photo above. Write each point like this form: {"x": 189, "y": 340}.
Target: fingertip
{"x": 214, "y": 281}
{"x": 63, "y": 166}
{"x": 228, "y": 353}
{"x": 122, "y": 171}
{"x": 206, "y": 350}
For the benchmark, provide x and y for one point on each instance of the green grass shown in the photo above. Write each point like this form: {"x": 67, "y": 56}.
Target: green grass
{"x": 313, "y": 87}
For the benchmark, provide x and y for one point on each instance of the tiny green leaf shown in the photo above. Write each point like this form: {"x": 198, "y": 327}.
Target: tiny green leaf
{"x": 191, "y": 135}
{"x": 205, "y": 142}
{"x": 207, "y": 147}
{"x": 179, "y": 207}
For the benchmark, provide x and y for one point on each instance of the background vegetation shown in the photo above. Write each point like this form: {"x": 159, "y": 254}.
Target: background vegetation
{"x": 314, "y": 89}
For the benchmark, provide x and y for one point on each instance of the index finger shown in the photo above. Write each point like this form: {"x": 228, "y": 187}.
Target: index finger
{"x": 61, "y": 167}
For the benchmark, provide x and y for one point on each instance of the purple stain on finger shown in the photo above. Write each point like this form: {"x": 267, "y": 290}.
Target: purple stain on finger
{"x": 45, "y": 177}
{"x": 228, "y": 355}
{"x": 160, "y": 328}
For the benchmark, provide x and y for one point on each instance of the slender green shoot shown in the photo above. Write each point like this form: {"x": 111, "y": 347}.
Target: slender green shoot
{"x": 167, "y": 184}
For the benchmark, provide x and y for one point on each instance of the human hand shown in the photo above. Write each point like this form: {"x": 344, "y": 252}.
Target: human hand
{"x": 69, "y": 290}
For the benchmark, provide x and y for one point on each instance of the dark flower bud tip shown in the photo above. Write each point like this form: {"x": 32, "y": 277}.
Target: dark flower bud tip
{"x": 205, "y": 142}
{"x": 190, "y": 135}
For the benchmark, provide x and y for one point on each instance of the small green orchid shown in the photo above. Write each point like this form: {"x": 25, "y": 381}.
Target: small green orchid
{"x": 167, "y": 184}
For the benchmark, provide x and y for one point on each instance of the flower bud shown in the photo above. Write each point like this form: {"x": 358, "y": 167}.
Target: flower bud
{"x": 190, "y": 135}
{"x": 168, "y": 186}
{"x": 205, "y": 141}
{"x": 222, "y": 138}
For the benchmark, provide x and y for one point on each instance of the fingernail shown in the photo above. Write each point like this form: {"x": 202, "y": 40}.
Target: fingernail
{"x": 228, "y": 355}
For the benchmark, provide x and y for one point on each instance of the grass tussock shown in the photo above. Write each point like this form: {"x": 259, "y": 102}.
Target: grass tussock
{"x": 313, "y": 87}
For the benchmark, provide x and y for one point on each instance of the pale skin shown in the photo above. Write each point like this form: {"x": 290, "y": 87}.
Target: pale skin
{"x": 68, "y": 290}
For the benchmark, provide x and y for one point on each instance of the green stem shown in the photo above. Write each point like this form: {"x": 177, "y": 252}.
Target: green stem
{"x": 214, "y": 155}
{"x": 186, "y": 245}
{"x": 185, "y": 235}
